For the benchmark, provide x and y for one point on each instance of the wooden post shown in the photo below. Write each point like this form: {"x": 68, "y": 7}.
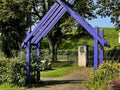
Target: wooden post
{"x": 95, "y": 51}
{"x": 101, "y": 48}
{"x": 38, "y": 54}
{"x": 28, "y": 58}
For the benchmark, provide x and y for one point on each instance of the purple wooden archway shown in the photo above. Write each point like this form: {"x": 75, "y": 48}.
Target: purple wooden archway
{"x": 46, "y": 24}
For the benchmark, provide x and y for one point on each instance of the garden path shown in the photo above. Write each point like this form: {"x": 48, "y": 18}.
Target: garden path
{"x": 73, "y": 81}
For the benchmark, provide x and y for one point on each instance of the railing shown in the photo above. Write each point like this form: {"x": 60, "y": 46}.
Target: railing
{"x": 113, "y": 54}
{"x": 67, "y": 55}
{"x": 63, "y": 55}
{"x": 72, "y": 55}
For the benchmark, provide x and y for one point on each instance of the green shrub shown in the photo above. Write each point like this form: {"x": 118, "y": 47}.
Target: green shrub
{"x": 17, "y": 71}
{"x": 3, "y": 69}
{"x": 106, "y": 72}
{"x": 14, "y": 70}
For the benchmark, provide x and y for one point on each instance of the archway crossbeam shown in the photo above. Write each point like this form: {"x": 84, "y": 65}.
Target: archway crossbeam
{"x": 47, "y": 23}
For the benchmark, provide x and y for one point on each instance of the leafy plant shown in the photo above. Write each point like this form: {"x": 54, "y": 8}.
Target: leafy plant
{"x": 106, "y": 72}
{"x": 17, "y": 71}
{"x": 14, "y": 70}
{"x": 3, "y": 69}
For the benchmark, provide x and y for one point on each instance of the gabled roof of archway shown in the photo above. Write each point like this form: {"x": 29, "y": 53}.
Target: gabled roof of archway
{"x": 51, "y": 18}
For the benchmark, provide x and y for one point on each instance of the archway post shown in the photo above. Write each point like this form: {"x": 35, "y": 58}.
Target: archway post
{"x": 38, "y": 54}
{"x": 28, "y": 59}
{"x": 41, "y": 30}
{"x": 101, "y": 33}
{"x": 95, "y": 50}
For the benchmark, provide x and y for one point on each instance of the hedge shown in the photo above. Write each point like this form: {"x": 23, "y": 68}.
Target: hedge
{"x": 14, "y": 70}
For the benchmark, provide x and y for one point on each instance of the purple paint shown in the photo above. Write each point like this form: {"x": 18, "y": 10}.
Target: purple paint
{"x": 47, "y": 19}
{"x": 80, "y": 20}
{"x": 39, "y": 24}
{"x": 101, "y": 48}
{"x": 66, "y": 0}
{"x": 71, "y": 2}
{"x": 54, "y": 21}
{"x": 38, "y": 49}
{"x": 38, "y": 54}
{"x": 46, "y": 24}
{"x": 95, "y": 51}
{"x": 39, "y": 34}
{"x": 28, "y": 58}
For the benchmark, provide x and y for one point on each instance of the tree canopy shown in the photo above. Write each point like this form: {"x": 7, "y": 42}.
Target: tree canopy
{"x": 14, "y": 21}
{"x": 60, "y": 32}
{"x": 18, "y": 15}
{"x": 110, "y": 8}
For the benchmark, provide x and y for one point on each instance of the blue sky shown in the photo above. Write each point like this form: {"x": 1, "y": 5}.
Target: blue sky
{"x": 101, "y": 22}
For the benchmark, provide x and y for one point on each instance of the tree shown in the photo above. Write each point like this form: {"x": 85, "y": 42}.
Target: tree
{"x": 110, "y": 8}
{"x": 14, "y": 21}
{"x": 15, "y": 15}
{"x": 66, "y": 24}
{"x": 55, "y": 36}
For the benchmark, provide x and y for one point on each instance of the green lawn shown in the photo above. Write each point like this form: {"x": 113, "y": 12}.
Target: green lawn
{"x": 111, "y": 35}
{"x": 64, "y": 68}
{"x": 58, "y": 72}
{"x": 60, "y": 69}
{"x": 10, "y": 87}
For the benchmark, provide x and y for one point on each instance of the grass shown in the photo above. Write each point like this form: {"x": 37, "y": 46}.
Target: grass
{"x": 1, "y": 54}
{"x": 10, "y": 87}
{"x": 63, "y": 64}
{"x": 111, "y": 35}
{"x": 58, "y": 72}
{"x": 60, "y": 69}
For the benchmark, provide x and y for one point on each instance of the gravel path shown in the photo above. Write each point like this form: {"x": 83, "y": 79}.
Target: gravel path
{"x": 72, "y": 81}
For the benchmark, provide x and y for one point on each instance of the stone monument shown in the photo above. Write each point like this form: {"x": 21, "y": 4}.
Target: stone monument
{"x": 82, "y": 56}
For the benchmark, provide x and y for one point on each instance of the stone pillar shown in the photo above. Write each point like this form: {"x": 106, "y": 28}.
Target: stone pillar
{"x": 82, "y": 56}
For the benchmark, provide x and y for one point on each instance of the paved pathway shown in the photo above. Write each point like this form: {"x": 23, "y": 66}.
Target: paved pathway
{"x": 70, "y": 82}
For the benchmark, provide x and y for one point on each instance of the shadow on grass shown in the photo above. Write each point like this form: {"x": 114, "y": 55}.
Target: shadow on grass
{"x": 54, "y": 82}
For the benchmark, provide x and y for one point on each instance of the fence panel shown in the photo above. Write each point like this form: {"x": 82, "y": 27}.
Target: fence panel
{"x": 67, "y": 55}
{"x": 113, "y": 54}
{"x": 72, "y": 55}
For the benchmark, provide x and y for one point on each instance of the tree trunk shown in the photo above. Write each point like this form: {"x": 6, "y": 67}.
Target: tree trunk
{"x": 53, "y": 50}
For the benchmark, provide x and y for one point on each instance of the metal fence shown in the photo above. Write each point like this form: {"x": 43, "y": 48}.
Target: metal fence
{"x": 63, "y": 55}
{"x": 72, "y": 55}
{"x": 113, "y": 54}
{"x": 67, "y": 55}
